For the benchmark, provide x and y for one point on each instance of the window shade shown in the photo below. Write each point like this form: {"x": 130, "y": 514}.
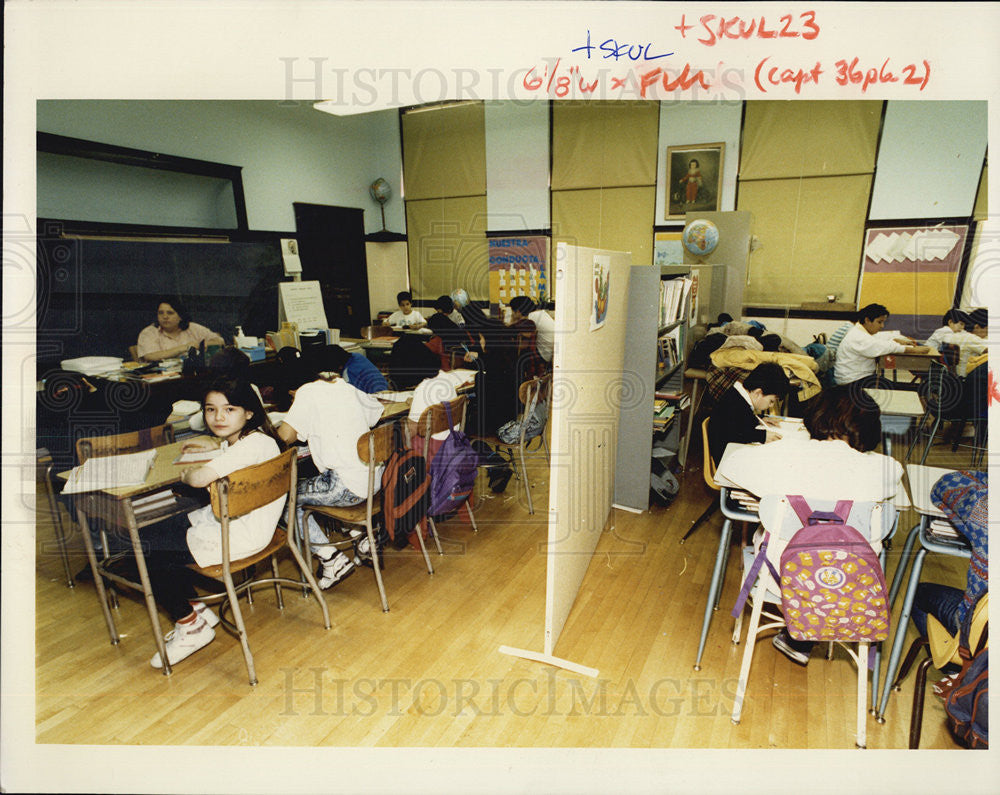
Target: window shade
{"x": 811, "y": 233}
{"x": 447, "y": 246}
{"x": 808, "y": 139}
{"x": 444, "y": 152}
{"x": 619, "y": 219}
{"x": 604, "y": 144}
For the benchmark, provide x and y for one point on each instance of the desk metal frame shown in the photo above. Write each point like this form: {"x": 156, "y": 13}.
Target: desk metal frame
{"x": 114, "y": 506}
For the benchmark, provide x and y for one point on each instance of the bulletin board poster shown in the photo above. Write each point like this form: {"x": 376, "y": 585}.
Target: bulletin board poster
{"x": 668, "y": 248}
{"x": 518, "y": 266}
{"x": 602, "y": 286}
{"x": 912, "y": 270}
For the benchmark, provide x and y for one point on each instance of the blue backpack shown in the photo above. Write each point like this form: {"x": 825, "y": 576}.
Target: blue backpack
{"x": 453, "y": 471}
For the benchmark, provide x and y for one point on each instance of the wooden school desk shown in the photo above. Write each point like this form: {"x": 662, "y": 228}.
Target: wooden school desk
{"x": 115, "y": 506}
{"x": 912, "y": 362}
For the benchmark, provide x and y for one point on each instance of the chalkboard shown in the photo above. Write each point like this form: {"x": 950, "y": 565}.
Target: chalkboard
{"x": 95, "y": 296}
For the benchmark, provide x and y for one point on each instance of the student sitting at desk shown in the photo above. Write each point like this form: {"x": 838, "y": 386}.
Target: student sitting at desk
{"x": 835, "y": 463}
{"x": 953, "y": 321}
{"x": 865, "y": 342}
{"x": 963, "y": 496}
{"x": 406, "y": 316}
{"x": 354, "y": 368}
{"x": 734, "y": 418}
{"x": 416, "y": 368}
{"x": 330, "y": 416}
{"x": 172, "y": 333}
{"x": 453, "y": 336}
{"x": 523, "y": 308}
{"x": 234, "y": 414}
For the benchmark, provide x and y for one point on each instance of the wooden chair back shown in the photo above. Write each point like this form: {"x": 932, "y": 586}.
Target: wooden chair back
{"x": 376, "y": 445}
{"x": 255, "y": 486}
{"x": 435, "y": 418}
{"x": 536, "y": 389}
{"x": 122, "y": 443}
{"x": 708, "y": 465}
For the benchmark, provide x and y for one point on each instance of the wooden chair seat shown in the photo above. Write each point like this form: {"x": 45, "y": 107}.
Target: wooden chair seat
{"x": 351, "y": 514}
{"x": 279, "y": 540}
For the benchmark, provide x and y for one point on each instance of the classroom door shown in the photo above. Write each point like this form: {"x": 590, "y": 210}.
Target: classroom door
{"x": 332, "y": 250}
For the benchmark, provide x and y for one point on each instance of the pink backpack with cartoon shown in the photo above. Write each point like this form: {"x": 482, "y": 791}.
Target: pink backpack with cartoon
{"x": 831, "y": 582}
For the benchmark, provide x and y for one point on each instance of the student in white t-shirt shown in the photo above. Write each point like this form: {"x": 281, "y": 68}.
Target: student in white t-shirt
{"x": 234, "y": 414}
{"x": 331, "y": 415}
{"x": 865, "y": 342}
{"x": 406, "y": 316}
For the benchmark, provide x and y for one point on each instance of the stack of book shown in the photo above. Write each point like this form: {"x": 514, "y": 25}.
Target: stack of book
{"x": 663, "y": 414}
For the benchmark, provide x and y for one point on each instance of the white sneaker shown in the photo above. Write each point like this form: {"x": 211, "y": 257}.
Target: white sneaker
{"x": 183, "y": 641}
{"x": 206, "y": 613}
{"x": 335, "y": 570}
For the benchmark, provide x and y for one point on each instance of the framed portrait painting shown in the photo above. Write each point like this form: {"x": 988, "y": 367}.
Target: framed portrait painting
{"x": 694, "y": 178}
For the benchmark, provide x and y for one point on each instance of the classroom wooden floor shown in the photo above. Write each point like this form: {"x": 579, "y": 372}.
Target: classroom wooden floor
{"x": 429, "y": 673}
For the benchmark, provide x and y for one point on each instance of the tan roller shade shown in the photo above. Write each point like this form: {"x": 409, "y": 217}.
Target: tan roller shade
{"x": 617, "y": 219}
{"x": 811, "y": 232}
{"x": 604, "y": 144}
{"x": 809, "y": 138}
{"x": 444, "y": 152}
{"x": 447, "y": 246}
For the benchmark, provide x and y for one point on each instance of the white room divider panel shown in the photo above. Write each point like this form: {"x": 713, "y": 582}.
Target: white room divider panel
{"x": 586, "y": 395}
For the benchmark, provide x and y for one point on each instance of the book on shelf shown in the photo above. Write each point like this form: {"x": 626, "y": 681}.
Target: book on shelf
{"x": 673, "y": 298}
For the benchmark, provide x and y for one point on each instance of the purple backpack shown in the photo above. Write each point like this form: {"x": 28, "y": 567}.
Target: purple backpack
{"x": 453, "y": 471}
{"x": 831, "y": 581}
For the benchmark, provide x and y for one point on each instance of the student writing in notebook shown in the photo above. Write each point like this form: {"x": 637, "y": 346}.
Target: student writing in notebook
{"x": 734, "y": 418}
{"x": 235, "y": 416}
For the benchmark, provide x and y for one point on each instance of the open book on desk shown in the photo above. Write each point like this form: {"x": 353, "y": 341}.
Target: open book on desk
{"x": 110, "y": 472}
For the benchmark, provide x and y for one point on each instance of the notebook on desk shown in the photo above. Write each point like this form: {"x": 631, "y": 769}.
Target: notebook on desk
{"x": 110, "y": 472}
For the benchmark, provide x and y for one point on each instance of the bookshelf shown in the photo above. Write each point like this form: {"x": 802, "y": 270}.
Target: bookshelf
{"x": 655, "y": 410}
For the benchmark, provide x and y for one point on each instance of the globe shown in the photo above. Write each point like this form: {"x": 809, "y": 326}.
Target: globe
{"x": 380, "y": 190}
{"x": 700, "y": 237}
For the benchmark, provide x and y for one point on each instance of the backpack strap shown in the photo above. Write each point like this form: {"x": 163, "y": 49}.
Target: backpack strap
{"x": 800, "y": 506}
{"x": 447, "y": 412}
{"x": 841, "y": 511}
{"x": 751, "y": 577}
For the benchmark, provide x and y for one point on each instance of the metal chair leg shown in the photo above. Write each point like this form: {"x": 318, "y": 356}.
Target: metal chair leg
{"x": 714, "y": 586}
{"x": 919, "y": 691}
{"x": 711, "y": 509}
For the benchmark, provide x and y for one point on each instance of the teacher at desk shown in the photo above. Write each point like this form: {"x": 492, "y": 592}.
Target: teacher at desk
{"x": 172, "y": 333}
